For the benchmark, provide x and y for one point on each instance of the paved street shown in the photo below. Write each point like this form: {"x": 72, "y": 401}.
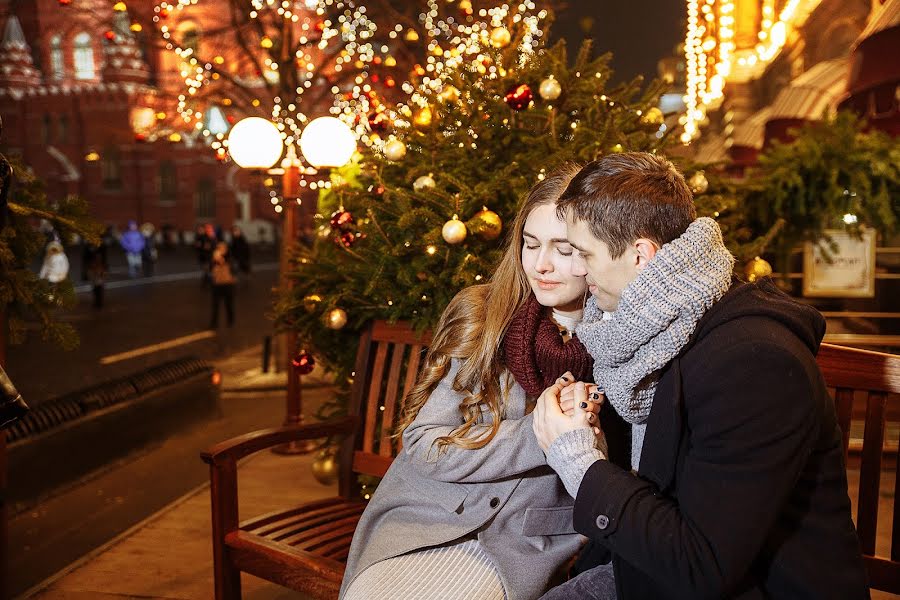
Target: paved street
{"x": 171, "y": 309}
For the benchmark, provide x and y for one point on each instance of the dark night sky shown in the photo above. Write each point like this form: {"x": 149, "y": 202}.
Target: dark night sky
{"x": 637, "y": 32}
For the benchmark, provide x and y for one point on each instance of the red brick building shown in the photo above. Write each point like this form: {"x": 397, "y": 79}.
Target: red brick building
{"x": 84, "y": 90}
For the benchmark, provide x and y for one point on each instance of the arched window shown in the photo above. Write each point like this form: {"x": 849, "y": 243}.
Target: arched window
{"x": 63, "y": 129}
{"x": 83, "y": 54}
{"x": 168, "y": 182}
{"x": 111, "y": 168}
{"x": 46, "y": 130}
{"x": 206, "y": 199}
{"x": 57, "y": 59}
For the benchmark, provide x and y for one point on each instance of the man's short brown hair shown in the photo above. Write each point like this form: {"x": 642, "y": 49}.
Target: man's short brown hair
{"x": 627, "y": 196}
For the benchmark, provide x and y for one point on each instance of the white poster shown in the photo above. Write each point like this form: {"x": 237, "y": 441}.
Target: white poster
{"x": 845, "y": 269}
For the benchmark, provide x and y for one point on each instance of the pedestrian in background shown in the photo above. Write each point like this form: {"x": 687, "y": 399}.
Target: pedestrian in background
{"x": 148, "y": 254}
{"x": 240, "y": 250}
{"x": 96, "y": 268}
{"x": 133, "y": 243}
{"x": 56, "y": 264}
{"x": 222, "y": 285}
{"x": 204, "y": 243}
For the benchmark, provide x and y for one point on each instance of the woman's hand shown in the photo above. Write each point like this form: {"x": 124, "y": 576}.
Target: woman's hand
{"x": 592, "y": 404}
{"x": 594, "y": 401}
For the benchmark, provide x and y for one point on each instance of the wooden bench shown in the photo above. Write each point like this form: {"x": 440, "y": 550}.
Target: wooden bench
{"x": 305, "y": 548}
{"x": 867, "y": 380}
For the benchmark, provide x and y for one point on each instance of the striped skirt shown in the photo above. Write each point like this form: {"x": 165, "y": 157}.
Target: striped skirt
{"x": 457, "y": 571}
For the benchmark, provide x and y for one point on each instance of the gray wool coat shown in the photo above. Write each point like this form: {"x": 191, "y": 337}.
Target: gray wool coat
{"x": 504, "y": 493}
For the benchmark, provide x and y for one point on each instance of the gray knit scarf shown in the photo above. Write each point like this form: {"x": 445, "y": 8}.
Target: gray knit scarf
{"x": 655, "y": 318}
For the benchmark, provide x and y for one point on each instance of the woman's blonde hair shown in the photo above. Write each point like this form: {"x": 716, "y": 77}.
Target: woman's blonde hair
{"x": 472, "y": 327}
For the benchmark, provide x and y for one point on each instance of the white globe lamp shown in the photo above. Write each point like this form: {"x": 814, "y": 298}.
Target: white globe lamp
{"x": 327, "y": 142}
{"x": 255, "y": 143}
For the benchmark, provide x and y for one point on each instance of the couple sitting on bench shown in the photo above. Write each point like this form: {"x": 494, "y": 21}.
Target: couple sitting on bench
{"x": 613, "y": 380}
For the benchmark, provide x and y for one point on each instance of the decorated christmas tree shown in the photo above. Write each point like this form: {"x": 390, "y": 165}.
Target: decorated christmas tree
{"x": 24, "y": 298}
{"x": 422, "y": 213}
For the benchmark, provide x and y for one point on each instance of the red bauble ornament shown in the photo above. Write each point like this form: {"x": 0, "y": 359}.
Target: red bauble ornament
{"x": 109, "y": 34}
{"x": 163, "y": 13}
{"x": 303, "y": 362}
{"x": 519, "y": 97}
{"x": 65, "y": 2}
{"x": 341, "y": 220}
{"x": 379, "y": 122}
{"x": 346, "y": 239}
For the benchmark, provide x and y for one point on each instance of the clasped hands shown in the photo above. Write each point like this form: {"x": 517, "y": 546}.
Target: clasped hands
{"x": 564, "y": 406}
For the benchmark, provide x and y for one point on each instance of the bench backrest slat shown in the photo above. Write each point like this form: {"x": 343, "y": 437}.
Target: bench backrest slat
{"x": 388, "y": 362}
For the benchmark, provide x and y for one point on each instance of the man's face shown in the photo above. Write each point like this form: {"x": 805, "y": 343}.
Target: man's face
{"x": 606, "y": 277}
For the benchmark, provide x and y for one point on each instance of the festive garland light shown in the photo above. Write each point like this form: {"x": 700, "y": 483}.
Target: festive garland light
{"x": 711, "y": 54}
{"x": 317, "y": 38}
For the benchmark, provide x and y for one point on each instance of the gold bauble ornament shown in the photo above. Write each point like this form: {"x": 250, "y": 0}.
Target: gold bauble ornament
{"x": 310, "y": 302}
{"x": 423, "y": 117}
{"x": 618, "y": 148}
{"x": 500, "y": 37}
{"x": 394, "y": 150}
{"x": 550, "y": 89}
{"x": 425, "y": 182}
{"x": 449, "y": 94}
{"x": 698, "y": 182}
{"x": 336, "y": 318}
{"x": 486, "y": 224}
{"x": 325, "y": 467}
{"x": 453, "y": 231}
{"x": 653, "y": 116}
{"x": 757, "y": 269}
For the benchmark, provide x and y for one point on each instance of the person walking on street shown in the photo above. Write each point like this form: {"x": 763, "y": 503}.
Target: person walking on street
{"x": 240, "y": 250}
{"x": 148, "y": 254}
{"x": 222, "y": 285}
{"x": 96, "y": 267}
{"x": 133, "y": 243}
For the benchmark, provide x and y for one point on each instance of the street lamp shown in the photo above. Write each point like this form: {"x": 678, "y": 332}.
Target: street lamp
{"x": 255, "y": 143}
{"x": 327, "y": 142}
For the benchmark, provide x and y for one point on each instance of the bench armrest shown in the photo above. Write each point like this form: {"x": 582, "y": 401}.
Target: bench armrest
{"x": 243, "y": 445}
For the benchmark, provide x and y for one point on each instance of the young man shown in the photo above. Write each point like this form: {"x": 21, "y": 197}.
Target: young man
{"x": 740, "y": 489}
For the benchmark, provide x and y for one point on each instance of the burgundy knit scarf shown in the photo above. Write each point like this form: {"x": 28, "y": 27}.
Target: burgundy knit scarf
{"x": 535, "y": 353}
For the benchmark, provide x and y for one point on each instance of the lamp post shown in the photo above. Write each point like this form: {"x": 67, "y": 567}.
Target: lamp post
{"x": 255, "y": 143}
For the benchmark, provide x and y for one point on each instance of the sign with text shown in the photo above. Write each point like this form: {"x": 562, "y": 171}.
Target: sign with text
{"x": 841, "y": 268}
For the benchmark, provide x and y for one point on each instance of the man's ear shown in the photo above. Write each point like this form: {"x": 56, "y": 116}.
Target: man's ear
{"x": 645, "y": 250}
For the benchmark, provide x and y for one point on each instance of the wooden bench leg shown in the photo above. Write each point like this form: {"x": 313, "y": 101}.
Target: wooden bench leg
{"x": 223, "y": 496}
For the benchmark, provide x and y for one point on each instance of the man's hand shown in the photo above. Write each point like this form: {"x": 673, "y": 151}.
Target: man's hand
{"x": 550, "y": 421}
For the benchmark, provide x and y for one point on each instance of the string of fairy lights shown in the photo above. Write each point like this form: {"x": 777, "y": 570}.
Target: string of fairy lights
{"x": 330, "y": 36}
{"x": 711, "y": 56}
{"x": 452, "y": 42}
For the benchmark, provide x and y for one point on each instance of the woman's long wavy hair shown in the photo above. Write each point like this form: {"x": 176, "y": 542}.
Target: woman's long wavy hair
{"x": 472, "y": 327}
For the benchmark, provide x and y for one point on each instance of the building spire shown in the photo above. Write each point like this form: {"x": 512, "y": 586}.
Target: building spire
{"x": 124, "y": 62}
{"x": 17, "y": 70}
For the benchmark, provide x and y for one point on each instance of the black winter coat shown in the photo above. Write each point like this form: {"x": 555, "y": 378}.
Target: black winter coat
{"x": 741, "y": 491}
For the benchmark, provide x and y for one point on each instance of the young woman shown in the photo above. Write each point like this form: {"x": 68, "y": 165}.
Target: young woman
{"x": 469, "y": 508}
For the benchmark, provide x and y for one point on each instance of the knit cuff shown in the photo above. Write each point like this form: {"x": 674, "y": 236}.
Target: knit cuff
{"x": 571, "y": 454}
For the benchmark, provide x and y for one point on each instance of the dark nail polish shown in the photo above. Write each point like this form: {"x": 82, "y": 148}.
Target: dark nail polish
{"x": 584, "y": 405}
{"x": 595, "y": 396}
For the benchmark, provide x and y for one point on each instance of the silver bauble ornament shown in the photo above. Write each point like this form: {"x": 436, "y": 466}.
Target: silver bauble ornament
{"x": 394, "y": 150}
{"x": 454, "y": 231}
{"x": 550, "y": 89}
{"x": 425, "y": 182}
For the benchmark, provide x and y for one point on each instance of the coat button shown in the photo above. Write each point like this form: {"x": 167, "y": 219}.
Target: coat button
{"x": 495, "y": 502}
{"x": 602, "y": 522}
